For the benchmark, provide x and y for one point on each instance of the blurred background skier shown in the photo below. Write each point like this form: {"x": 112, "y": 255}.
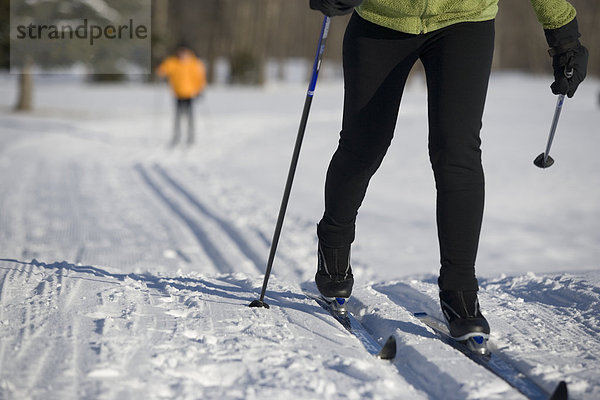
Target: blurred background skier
{"x": 187, "y": 78}
{"x": 454, "y": 40}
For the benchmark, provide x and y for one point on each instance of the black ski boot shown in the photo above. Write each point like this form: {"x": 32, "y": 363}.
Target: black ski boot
{"x": 461, "y": 309}
{"x": 334, "y": 275}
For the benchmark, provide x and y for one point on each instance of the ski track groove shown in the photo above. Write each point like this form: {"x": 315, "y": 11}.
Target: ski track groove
{"x": 66, "y": 302}
{"x": 128, "y": 307}
{"x": 212, "y": 252}
{"x": 25, "y": 322}
{"x": 74, "y": 220}
{"x": 158, "y": 327}
{"x": 73, "y": 291}
{"x": 34, "y": 325}
{"x": 48, "y": 298}
{"x": 37, "y": 322}
{"x": 69, "y": 292}
{"x": 232, "y": 253}
{"x": 75, "y": 367}
{"x": 36, "y": 371}
{"x": 3, "y": 289}
{"x": 3, "y": 301}
{"x": 231, "y": 202}
{"x": 227, "y": 226}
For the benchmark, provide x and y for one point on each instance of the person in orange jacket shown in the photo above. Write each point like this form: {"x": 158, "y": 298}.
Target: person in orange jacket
{"x": 187, "y": 77}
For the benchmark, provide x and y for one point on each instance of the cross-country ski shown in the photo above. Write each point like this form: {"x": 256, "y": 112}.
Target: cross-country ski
{"x": 494, "y": 362}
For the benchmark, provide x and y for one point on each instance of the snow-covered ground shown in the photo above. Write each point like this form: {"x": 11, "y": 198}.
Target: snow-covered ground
{"x": 126, "y": 267}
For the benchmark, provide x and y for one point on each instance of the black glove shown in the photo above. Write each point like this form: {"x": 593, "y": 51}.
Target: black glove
{"x": 568, "y": 56}
{"x": 331, "y": 8}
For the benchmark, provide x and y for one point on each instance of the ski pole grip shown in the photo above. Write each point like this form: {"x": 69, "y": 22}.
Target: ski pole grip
{"x": 319, "y": 56}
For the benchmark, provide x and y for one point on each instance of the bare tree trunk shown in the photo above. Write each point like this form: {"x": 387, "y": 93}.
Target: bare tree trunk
{"x": 25, "y": 102}
{"x": 266, "y": 34}
{"x": 214, "y": 37}
{"x": 595, "y": 41}
{"x": 160, "y": 31}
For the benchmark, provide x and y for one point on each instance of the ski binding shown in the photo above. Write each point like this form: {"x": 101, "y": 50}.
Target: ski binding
{"x": 338, "y": 304}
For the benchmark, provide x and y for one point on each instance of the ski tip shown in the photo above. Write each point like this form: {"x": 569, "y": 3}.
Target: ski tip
{"x": 388, "y": 351}
{"x": 561, "y": 392}
{"x": 420, "y": 314}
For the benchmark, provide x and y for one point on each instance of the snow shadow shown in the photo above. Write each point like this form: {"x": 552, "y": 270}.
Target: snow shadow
{"x": 211, "y": 249}
{"x": 409, "y": 298}
{"x": 226, "y": 226}
{"x": 225, "y": 286}
{"x": 410, "y": 362}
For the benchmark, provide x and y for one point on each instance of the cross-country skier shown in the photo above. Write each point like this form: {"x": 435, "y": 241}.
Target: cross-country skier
{"x": 187, "y": 78}
{"x": 454, "y": 39}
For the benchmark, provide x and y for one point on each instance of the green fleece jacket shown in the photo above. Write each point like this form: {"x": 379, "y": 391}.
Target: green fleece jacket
{"x": 422, "y": 16}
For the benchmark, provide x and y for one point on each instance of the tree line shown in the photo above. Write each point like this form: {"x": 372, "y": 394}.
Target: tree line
{"x": 249, "y": 32}
{"x": 246, "y": 34}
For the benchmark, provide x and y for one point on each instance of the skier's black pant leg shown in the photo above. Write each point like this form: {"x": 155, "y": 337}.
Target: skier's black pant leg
{"x": 377, "y": 61}
{"x": 376, "y": 65}
{"x": 457, "y": 63}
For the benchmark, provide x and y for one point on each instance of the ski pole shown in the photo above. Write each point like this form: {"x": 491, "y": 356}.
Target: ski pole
{"x": 544, "y": 160}
{"x": 294, "y": 162}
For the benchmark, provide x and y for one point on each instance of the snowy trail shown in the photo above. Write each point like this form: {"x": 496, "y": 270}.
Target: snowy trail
{"x": 85, "y": 332}
{"x": 126, "y": 268}
{"x": 79, "y": 331}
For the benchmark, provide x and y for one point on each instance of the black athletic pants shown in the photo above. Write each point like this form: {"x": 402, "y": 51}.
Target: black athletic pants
{"x": 377, "y": 61}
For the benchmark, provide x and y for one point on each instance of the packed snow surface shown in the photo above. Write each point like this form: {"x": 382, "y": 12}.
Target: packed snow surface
{"x": 126, "y": 266}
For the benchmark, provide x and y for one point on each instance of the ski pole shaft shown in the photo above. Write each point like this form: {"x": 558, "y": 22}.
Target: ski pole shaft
{"x": 557, "y": 110}
{"x": 294, "y": 161}
{"x": 544, "y": 160}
